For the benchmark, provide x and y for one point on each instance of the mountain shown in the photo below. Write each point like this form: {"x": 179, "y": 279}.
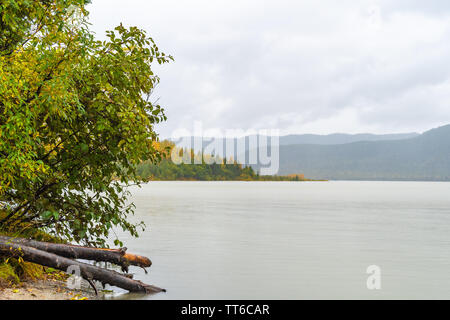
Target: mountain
{"x": 408, "y": 156}
{"x": 199, "y": 143}
{"x": 341, "y": 138}
{"x": 423, "y": 157}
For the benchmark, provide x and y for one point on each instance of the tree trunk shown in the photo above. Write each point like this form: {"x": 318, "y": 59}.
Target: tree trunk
{"x": 116, "y": 256}
{"x": 87, "y": 271}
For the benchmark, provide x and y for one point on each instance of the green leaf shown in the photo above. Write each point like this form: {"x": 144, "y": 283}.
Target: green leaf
{"x": 74, "y": 118}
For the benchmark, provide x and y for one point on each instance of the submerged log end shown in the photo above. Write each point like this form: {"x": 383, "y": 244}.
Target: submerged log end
{"x": 152, "y": 289}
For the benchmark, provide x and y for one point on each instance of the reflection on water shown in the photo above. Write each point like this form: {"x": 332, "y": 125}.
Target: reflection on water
{"x": 293, "y": 240}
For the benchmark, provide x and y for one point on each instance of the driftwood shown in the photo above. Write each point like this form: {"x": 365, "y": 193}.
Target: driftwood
{"x": 87, "y": 271}
{"x": 117, "y": 256}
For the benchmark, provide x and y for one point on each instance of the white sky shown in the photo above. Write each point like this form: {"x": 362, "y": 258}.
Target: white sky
{"x": 311, "y": 66}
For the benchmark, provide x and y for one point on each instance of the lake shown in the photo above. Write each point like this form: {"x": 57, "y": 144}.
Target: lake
{"x": 293, "y": 240}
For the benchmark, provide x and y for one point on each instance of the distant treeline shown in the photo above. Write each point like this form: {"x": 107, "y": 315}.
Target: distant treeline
{"x": 207, "y": 168}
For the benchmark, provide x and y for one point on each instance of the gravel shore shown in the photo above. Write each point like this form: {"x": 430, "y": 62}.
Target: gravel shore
{"x": 48, "y": 290}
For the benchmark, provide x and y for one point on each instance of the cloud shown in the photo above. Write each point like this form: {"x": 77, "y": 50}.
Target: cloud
{"x": 298, "y": 66}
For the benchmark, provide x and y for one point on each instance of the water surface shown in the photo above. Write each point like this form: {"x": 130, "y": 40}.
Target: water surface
{"x": 294, "y": 240}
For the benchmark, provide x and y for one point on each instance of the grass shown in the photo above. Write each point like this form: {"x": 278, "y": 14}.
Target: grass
{"x": 8, "y": 275}
{"x": 14, "y": 271}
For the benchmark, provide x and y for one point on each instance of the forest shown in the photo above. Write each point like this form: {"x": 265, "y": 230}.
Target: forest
{"x": 200, "y": 167}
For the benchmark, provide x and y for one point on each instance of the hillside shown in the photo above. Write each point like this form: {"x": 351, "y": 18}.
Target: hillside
{"x": 197, "y": 167}
{"x": 341, "y": 138}
{"x": 197, "y": 143}
{"x": 424, "y": 157}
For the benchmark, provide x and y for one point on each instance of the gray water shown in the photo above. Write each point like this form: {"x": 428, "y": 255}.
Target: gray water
{"x": 294, "y": 240}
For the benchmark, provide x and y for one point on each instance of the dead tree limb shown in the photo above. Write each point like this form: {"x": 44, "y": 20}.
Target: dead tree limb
{"x": 87, "y": 271}
{"x": 117, "y": 256}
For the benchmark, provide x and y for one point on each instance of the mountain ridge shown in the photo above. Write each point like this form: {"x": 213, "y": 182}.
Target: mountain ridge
{"x": 424, "y": 157}
{"x": 409, "y": 156}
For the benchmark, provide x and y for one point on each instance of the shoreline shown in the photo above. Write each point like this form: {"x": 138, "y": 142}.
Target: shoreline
{"x": 49, "y": 289}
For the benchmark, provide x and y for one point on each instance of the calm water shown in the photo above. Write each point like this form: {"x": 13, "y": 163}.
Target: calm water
{"x": 283, "y": 240}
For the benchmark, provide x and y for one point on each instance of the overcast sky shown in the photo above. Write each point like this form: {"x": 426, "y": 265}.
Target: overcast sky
{"x": 310, "y": 66}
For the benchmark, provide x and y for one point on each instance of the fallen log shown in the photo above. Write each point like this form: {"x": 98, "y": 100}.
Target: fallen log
{"x": 87, "y": 271}
{"x": 117, "y": 256}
